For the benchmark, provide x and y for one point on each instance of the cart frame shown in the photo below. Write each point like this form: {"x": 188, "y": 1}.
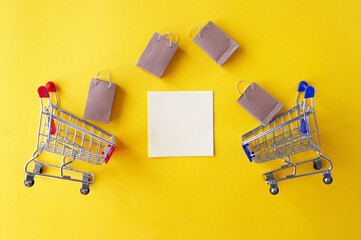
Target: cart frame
{"x": 292, "y": 132}
{"x": 64, "y": 134}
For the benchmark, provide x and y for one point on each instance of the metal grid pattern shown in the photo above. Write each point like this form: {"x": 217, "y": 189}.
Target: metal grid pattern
{"x": 74, "y": 137}
{"x": 282, "y": 136}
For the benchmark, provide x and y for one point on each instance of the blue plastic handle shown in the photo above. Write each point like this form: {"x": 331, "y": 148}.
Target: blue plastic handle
{"x": 247, "y": 152}
{"x": 303, "y": 127}
{"x": 309, "y": 92}
{"x": 302, "y": 86}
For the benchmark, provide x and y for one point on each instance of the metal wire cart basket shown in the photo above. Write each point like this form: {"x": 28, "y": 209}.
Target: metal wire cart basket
{"x": 292, "y": 132}
{"x": 64, "y": 134}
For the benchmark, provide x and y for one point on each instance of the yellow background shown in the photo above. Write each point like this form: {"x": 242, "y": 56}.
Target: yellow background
{"x": 221, "y": 197}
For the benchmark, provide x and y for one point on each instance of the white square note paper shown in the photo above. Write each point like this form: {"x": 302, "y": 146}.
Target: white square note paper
{"x": 180, "y": 124}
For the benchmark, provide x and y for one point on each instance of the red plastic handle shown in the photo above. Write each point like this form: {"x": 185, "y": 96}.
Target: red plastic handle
{"x": 52, "y": 127}
{"x": 51, "y": 87}
{"x": 111, "y": 150}
{"x": 43, "y": 92}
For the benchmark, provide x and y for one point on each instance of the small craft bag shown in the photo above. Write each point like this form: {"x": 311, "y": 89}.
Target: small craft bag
{"x": 213, "y": 41}
{"x": 100, "y": 99}
{"x": 158, "y": 53}
{"x": 257, "y": 102}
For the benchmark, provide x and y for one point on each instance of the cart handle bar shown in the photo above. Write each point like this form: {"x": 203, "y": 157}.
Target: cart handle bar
{"x": 303, "y": 87}
{"x": 51, "y": 87}
{"x": 44, "y": 91}
{"x": 309, "y": 90}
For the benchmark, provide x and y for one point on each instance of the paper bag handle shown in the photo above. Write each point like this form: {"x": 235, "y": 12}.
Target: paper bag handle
{"x": 199, "y": 29}
{"x": 245, "y": 88}
{"x": 97, "y": 77}
{"x": 170, "y": 37}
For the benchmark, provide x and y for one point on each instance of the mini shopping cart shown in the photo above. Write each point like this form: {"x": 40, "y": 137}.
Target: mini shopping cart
{"x": 69, "y": 136}
{"x": 292, "y": 132}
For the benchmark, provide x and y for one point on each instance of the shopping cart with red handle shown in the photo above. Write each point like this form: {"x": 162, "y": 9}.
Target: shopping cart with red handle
{"x": 292, "y": 132}
{"x": 64, "y": 134}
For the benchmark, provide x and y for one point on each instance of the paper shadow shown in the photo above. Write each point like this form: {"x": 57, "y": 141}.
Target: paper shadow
{"x": 174, "y": 63}
{"x": 117, "y": 103}
{"x": 234, "y": 59}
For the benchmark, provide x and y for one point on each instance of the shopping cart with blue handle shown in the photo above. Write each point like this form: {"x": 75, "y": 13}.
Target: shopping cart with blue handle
{"x": 292, "y": 132}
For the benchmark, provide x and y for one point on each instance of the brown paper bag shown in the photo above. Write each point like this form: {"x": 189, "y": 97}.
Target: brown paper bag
{"x": 215, "y": 43}
{"x": 100, "y": 99}
{"x": 257, "y": 102}
{"x": 157, "y": 54}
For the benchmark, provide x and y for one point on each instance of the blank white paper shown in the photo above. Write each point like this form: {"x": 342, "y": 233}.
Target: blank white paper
{"x": 180, "y": 123}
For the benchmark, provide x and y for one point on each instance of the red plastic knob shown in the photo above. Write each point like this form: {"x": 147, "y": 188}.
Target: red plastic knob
{"x": 51, "y": 87}
{"x": 43, "y": 92}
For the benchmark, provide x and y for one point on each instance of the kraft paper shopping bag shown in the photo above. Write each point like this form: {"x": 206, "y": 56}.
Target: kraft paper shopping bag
{"x": 258, "y": 103}
{"x": 100, "y": 99}
{"x": 213, "y": 41}
{"x": 158, "y": 53}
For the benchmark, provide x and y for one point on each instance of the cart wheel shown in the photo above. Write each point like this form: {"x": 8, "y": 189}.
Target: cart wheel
{"x": 274, "y": 190}
{"x": 84, "y": 191}
{"x": 29, "y": 183}
{"x": 327, "y": 180}
{"x": 317, "y": 166}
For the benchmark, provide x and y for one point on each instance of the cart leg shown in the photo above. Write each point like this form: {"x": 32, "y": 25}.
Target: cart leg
{"x": 327, "y": 179}
{"x": 317, "y": 163}
{"x": 289, "y": 163}
{"x": 37, "y": 168}
{"x": 29, "y": 180}
{"x": 64, "y": 166}
{"x": 85, "y": 184}
{"x": 271, "y": 181}
{"x": 269, "y": 177}
{"x": 321, "y": 155}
